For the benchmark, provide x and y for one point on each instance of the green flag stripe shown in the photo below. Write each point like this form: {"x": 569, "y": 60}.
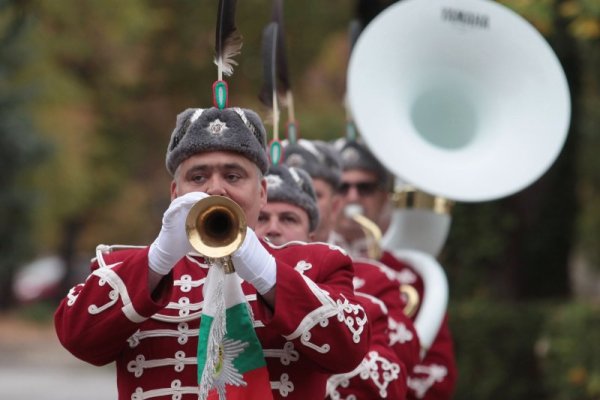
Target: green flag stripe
{"x": 204, "y": 330}
{"x": 239, "y": 327}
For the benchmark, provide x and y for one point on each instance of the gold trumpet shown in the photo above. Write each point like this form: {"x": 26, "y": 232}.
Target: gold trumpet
{"x": 216, "y": 227}
{"x": 370, "y": 229}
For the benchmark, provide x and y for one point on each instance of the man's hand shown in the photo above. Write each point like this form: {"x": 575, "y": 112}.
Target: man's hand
{"x": 254, "y": 264}
{"x": 172, "y": 243}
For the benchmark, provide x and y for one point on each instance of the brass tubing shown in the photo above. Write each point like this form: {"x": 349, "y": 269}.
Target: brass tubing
{"x": 412, "y": 198}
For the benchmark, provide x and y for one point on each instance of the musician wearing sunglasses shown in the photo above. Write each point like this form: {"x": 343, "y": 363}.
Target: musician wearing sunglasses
{"x": 141, "y": 306}
{"x": 365, "y": 185}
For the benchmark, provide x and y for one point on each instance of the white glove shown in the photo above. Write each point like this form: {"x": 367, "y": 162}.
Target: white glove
{"x": 172, "y": 243}
{"x": 254, "y": 264}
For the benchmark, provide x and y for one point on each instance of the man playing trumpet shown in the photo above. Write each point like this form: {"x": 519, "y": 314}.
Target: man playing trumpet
{"x": 140, "y": 307}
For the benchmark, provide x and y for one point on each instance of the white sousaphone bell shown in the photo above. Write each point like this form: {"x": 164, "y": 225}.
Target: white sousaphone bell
{"x": 465, "y": 100}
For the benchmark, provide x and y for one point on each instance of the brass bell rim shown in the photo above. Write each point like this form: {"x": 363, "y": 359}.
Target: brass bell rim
{"x": 196, "y": 219}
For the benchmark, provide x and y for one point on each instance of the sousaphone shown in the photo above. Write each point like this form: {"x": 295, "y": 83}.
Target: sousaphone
{"x": 463, "y": 99}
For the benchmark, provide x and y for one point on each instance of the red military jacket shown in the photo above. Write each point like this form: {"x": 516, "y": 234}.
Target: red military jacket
{"x": 394, "y": 346}
{"x": 317, "y": 328}
{"x": 434, "y": 377}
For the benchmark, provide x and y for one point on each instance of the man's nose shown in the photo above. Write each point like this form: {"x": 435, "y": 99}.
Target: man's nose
{"x": 352, "y": 196}
{"x": 216, "y": 187}
{"x": 273, "y": 228}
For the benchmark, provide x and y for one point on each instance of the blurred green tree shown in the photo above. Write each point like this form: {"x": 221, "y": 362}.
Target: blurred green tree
{"x": 21, "y": 149}
{"x": 88, "y": 57}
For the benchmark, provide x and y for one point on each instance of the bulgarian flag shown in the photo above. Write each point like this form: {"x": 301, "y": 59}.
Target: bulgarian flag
{"x": 231, "y": 364}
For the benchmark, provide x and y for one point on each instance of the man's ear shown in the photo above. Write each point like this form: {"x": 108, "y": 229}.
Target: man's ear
{"x": 311, "y": 236}
{"x": 336, "y": 206}
{"x": 173, "y": 190}
{"x": 385, "y": 213}
{"x": 263, "y": 192}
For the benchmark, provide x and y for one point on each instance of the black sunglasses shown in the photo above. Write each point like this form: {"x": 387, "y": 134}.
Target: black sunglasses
{"x": 363, "y": 188}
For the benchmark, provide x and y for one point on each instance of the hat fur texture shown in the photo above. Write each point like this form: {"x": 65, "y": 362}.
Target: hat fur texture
{"x": 316, "y": 157}
{"x": 200, "y": 130}
{"x": 293, "y": 186}
{"x": 356, "y": 155}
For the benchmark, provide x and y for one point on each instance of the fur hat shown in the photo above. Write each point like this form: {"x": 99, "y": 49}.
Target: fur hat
{"x": 294, "y": 186}
{"x": 316, "y": 157}
{"x": 356, "y": 155}
{"x": 200, "y": 130}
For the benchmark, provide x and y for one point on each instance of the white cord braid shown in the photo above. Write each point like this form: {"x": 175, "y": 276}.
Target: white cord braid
{"x": 196, "y": 114}
{"x": 242, "y": 115}
{"x": 217, "y": 329}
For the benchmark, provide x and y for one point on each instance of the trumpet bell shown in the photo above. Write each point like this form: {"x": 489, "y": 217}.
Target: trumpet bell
{"x": 216, "y": 226}
{"x": 463, "y": 99}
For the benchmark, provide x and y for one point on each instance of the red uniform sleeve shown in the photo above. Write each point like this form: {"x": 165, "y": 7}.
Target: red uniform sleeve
{"x": 402, "y": 336}
{"x": 381, "y": 374}
{"x": 434, "y": 378}
{"x": 95, "y": 319}
{"x": 315, "y": 307}
{"x": 378, "y": 280}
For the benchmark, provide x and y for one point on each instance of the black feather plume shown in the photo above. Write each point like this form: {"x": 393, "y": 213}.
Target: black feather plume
{"x": 353, "y": 32}
{"x": 228, "y": 40}
{"x": 283, "y": 74}
{"x": 366, "y": 10}
{"x": 269, "y": 57}
{"x": 268, "y": 93}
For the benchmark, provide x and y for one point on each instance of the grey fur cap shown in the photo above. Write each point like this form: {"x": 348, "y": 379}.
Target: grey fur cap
{"x": 356, "y": 155}
{"x": 316, "y": 157}
{"x": 294, "y": 186}
{"x": 200, "y": 130}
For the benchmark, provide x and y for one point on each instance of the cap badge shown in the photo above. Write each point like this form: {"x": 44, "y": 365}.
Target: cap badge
{"x": 295, "y": 160}
{"x": 273, "y": 181}
{"x": 217, "y": 127}
{"x": 350, "y": 155}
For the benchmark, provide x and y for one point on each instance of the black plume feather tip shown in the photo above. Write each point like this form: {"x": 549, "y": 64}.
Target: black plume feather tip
{"x": 269, "y": 55}
{"x": 366, "y": 10}
{"x": 283, "y": 73}
{"x": 354, "y": 32}
{"x": 228, "y": 40}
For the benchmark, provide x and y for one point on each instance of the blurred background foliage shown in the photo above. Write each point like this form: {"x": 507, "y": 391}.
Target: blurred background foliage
{"x": 89, "y": 91}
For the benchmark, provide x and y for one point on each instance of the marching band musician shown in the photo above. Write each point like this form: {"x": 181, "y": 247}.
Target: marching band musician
{"x": 367, "y": 183}
{"x": 140, "y": 306}
{"x": 322, "y": 163}
{"x": 378, "y": 376}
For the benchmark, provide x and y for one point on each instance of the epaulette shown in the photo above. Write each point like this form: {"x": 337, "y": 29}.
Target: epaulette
{"x": 104, "y": 249}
